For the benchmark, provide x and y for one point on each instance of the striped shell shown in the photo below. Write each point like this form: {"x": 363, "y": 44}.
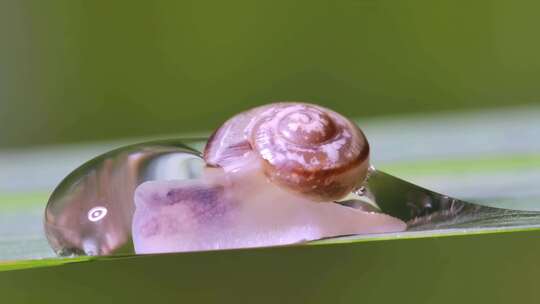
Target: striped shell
{"x": 303, "y": 147}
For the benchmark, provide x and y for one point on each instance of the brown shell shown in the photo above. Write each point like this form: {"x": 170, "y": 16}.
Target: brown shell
{"x": 303, "y": 147}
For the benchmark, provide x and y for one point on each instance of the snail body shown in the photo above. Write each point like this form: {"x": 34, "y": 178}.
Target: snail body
{"x": 304, "y": 148}
{"x": 272, "y": 167}
{"x": 250, "y": 211}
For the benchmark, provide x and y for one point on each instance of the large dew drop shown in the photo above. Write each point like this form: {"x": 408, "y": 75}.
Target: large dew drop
{"x": 91, "y": 210}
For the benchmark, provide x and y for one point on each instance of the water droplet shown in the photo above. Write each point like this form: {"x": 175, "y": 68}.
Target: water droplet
{"x": 91, "y": 210}
{"x": 360, "y": 191}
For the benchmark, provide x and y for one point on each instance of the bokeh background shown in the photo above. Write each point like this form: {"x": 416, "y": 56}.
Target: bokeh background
{"x": 73, "y": 70}
{"x": 76, "y": 71}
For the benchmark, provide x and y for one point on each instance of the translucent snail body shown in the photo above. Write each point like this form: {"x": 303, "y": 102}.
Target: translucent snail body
{"x": 272, "y": 176}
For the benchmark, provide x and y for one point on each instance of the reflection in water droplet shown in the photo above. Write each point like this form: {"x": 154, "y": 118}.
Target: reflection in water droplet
{"x": 90, "y": 212}
{"x": 97, "y": 213}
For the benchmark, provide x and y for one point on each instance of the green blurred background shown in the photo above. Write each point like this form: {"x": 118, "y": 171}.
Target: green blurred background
{"x": 73, "y": 70}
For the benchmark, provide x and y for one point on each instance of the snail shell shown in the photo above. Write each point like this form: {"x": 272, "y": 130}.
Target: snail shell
{"x": 303, "y": 147}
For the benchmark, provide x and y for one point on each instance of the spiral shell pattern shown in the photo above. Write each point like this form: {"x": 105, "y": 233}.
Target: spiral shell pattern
{"x": 305, "y": 148}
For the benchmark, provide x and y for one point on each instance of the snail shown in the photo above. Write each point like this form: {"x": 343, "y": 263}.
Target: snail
{"x": 277, "y": 174}
{"x": 272, "y": 176}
